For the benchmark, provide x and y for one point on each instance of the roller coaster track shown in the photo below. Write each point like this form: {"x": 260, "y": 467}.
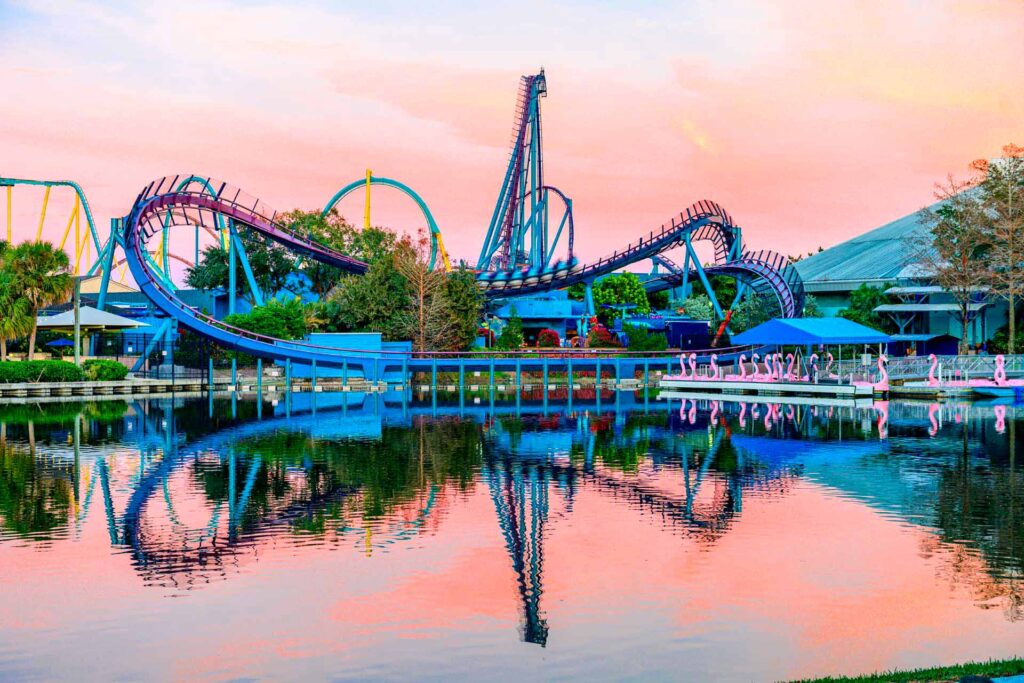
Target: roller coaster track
{"x": 704, "y": 220}
{"x": 766, "y": 272}
{"x": 168, "y": 202}
{"x": 160, "y": 205}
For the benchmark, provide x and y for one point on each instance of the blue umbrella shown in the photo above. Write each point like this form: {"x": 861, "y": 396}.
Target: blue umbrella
{"x": 61, "y": 342}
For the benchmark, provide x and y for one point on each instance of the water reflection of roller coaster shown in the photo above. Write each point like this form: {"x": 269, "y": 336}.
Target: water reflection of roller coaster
{"x": 293, "y": 479}
{"x": 526, "y": 462}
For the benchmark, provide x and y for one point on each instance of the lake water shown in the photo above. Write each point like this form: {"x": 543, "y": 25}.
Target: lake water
{"x": 361, "y": 538}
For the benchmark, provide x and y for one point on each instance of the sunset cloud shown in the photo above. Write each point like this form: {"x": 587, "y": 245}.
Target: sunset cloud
{"x": 810, "y": 122}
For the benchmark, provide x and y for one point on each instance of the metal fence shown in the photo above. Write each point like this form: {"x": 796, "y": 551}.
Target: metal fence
{"x": 918, "y": 367}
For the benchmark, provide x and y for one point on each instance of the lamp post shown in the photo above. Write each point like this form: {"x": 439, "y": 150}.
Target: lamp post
{"x": 78, "y": 323}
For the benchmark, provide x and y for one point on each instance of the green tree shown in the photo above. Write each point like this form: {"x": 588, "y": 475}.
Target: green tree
{"x": 40, "y": 273}
{"x": 432, "y": 324}
{"x": 754, "y": 309}
{"x": 285, "y": 320}
{"x": 956, "y": 258}
{"x": 698, "y": 307}
{"x": 333, "y": 231}
{"x": 1002, "y": 199}
{"x": 15, "y": 312}
{"x": 658, "y": 301}
{"x": 271, "y": 264}
{"x": 511, "y": 336}
{"x": 811, "y": 307}
{"x": 641, "y": 339}
{"x": 465, "y": 303}
{"x": 723, "y": 286}
{"x": 619, "y": 288}
{"x": 377, "y": 301}
{"x": 863, "y": 302}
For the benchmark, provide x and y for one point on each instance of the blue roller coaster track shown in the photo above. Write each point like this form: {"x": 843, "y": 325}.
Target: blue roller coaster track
{"x": 530, "y": 223}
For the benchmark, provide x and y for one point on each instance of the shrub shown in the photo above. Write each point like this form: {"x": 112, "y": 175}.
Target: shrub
{"x": 548, "y": 339}
{"x": 641, "y": 339}
{"x": 13, "y": 372}
{"x": 600, "y": 338}
{"x": 511, "y": 336}
{"x": 100, "y": 370}
{"x": 1000, "y": 340}
{"x": 276, "y": 319}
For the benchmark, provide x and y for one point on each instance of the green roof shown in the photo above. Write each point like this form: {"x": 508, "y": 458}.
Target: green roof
{"x": 888, "y": 253}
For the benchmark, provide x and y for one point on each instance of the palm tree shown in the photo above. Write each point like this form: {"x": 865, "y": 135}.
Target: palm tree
{"x": 15, "y": 315}
{"x": 15, "y": 312}
{"x": 40, "y": 274}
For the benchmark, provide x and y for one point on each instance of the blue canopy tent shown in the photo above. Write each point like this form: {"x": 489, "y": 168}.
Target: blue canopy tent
{"x": 810, "y": 332}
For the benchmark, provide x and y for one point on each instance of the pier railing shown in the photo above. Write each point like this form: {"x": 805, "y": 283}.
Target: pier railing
{"x": 918, "y": 367}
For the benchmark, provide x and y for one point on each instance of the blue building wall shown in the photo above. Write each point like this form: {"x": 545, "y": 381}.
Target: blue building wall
{"x": 362, "y": 341}
{"x": 554, "y": 310}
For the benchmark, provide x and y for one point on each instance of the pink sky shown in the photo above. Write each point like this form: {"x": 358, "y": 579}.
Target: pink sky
{"x": 809, "y": 122}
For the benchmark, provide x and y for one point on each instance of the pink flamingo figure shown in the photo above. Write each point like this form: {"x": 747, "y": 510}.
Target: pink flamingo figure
{"x": 693, "y": 366}
{"x": 714, "y": 366}
{"x": 1000, "y": 376}
{"x": 755, "y": 412}
{"x": 756, "y": 358}
{"x": 789, "y": 413}
{"x": 883, "y": 383}
{"x": 790, "y": 359}
{"x": 812, "y": 364}
{"x": 682, "y": 367}
{"x": 779, "y": 367}
{"x": 691, "y": 416}
{"x": 932, "y": 379}
{"x": 714, "y": 413}
{"x": 933, "y": 429}
{"x": 883, "y": 419}
{"x": 743, "y": 415}
{"x": 682, "y": 411}
{"x": 1000, "y": 412}
{"x": 743, "y": 367}
{"x": 769, "y": 414}
{"x": 828, "y": 368}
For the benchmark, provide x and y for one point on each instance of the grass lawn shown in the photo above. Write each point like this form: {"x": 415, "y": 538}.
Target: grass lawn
{"x": 992, "y": 669}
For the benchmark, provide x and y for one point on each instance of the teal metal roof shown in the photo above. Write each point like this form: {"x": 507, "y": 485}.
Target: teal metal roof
{"x": 890, "y": 252}
{"x": 810, "y": 331}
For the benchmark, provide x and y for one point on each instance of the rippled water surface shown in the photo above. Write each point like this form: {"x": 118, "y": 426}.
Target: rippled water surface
{"x": 360, "y": 538}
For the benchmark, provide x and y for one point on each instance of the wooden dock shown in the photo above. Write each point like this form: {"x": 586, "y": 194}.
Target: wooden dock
{"x": 127, "y": 387}
{"x": 706, "y": 388}
{"x": 761, "y": 399}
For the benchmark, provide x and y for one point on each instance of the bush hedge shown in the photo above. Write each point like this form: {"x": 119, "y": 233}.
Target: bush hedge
{"x": 641, "y": 339}
{"x": 102, "y": 370}
{"x": 548, "y": 338}
{"x": 599, "y": 337}
{"x": 13, "y": 372}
